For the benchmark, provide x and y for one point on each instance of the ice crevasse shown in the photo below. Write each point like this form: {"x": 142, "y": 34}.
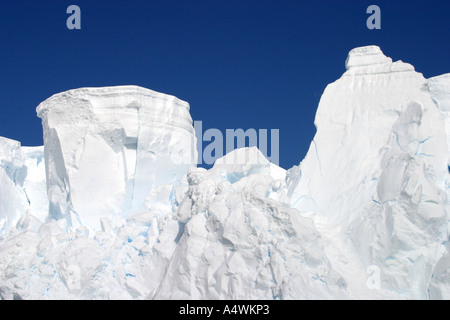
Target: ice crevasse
{"x": 114, "y": 207}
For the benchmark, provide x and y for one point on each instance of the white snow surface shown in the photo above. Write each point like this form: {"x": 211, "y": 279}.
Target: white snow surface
{"x": 113, "y": 206}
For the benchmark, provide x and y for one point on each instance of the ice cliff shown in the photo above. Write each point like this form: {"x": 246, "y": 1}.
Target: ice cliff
{"x": 107, "y": 148}
{"x": 114, "y": 207}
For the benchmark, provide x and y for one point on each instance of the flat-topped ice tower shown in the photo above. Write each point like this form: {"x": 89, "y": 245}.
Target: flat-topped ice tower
{"x": 107, "y": 148}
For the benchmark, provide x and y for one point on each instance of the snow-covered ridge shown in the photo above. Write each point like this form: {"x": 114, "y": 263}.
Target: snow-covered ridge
{"x": 364, "y": 216}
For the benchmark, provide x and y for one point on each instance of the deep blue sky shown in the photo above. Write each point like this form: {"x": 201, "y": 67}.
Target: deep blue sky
{"x": 239, "y": 63}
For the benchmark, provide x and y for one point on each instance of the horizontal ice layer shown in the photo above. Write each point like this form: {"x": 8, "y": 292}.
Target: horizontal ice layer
{"x": 371, "y": 60}
{"x": 22, "y": 183}
{"x": 107, "y": 148}
{"x": 366, "y": 56}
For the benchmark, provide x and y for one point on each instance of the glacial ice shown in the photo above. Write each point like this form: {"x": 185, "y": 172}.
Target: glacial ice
{"x": 129, "y": 215}
{"x": 107, "y": 148}
{"x": 22, "y": 184}
{"x": 376, "y": 171}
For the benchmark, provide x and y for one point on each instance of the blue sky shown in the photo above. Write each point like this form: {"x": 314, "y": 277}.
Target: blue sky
{"x": 239, "y": 63}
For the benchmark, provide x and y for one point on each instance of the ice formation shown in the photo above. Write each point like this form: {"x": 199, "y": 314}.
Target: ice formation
{"x": 375, "y": 175}
{"x": 107, "y": 148}
{"x": 22, "y": 184}
{"x": 130, "y": 216}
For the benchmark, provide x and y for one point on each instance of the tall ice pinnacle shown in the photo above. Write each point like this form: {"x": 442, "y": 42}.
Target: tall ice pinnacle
{"x": 107, "y": 148}
{"x": 378, "y": 163}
